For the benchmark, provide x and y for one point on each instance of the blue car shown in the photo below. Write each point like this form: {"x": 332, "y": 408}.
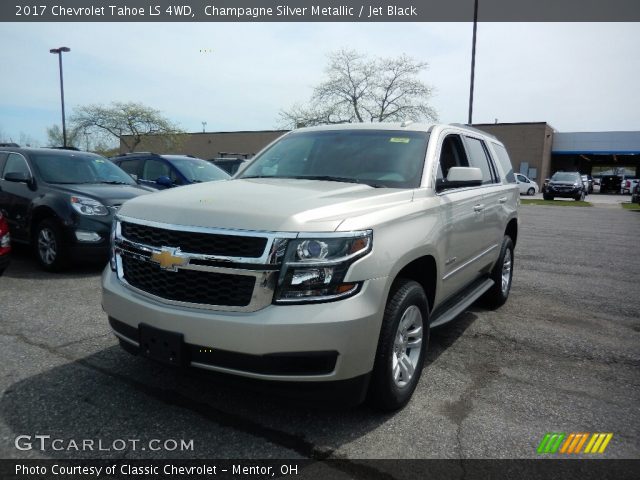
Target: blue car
{"x": 166, "y": 171}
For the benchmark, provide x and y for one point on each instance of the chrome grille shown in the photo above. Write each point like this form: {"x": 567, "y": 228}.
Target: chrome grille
{"x": 216, "y": 269}
{"x": 195, "y": 242}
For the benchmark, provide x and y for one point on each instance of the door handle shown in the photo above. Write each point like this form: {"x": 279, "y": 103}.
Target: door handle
{"x": 502, "y": 200}
{"x": 478, "y": 208}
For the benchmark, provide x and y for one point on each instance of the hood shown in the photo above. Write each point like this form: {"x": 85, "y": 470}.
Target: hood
{"x": 267, "y": 204}
{"x": 110, "y": 195}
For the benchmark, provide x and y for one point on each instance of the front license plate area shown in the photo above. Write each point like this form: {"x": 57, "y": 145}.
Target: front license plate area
{"x": 161, "y": 345}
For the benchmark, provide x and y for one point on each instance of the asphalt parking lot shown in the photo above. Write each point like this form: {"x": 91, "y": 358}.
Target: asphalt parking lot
{"x": 563, "y": 355}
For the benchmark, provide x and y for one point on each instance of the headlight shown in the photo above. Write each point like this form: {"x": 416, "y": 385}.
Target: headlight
{"x": 314, "y": 268}
{"x": 88, "y": 206}
{"x": 112, "y": 245}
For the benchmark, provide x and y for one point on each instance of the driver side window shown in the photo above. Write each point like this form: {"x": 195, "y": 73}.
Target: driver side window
{"x": 15, "y": 164}
{"x": 452, "y": 154}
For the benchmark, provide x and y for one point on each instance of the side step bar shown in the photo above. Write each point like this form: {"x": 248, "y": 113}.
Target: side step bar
{"x": 460, "y": 302}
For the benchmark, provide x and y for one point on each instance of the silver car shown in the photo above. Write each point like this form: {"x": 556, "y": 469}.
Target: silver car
{"x": 328, "y": 259}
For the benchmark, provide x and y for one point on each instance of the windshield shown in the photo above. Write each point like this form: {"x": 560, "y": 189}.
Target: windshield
{"x": 380, "y": 158}
{"x": 78, "y": 167}
{"x": 197, "y": 170}
{"x": 565, "y": 177}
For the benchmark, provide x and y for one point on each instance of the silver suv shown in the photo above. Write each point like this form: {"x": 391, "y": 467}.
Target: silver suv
{"x": 328, "y": 259}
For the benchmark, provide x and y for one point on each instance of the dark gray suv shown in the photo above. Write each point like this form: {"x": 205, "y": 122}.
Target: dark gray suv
{"x": 565, "y": 185}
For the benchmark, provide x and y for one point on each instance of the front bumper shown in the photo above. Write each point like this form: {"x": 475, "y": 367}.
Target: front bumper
{"x": 572, "y": 193}
{"x": 346, "y": 330}
{"x": 89, "y": 251}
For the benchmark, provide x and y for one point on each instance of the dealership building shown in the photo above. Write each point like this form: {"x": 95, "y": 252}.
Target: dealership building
{"x": 536, "y": 148}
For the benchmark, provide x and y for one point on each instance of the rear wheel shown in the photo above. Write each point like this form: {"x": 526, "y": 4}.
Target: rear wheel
{"x": 502, "y": 275}
{"x": 49, "y": 245}
{"x": 401, "y": 348}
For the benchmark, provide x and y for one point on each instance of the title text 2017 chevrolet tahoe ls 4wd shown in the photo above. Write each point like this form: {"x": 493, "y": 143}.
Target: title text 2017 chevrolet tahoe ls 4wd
{"x": 327, "y": 259}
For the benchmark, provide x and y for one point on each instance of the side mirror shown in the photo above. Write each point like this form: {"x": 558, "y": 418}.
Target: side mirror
{"x": 164, "y": 181}
{"x": 18, "y": 177}
{"x": 459, "y": 177}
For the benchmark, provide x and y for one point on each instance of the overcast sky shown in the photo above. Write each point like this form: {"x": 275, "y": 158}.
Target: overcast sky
{"x": 576, "y": 76}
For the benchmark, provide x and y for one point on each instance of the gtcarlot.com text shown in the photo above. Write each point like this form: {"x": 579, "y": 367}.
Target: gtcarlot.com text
{"x": 47, "y": 443}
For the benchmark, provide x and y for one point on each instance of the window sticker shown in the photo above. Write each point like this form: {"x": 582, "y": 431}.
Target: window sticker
{"x": 399, "y": 140}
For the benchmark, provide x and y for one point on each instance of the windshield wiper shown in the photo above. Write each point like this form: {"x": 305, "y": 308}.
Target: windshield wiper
{"x": 330, "y": 178}
{"x": 114, "y": 182}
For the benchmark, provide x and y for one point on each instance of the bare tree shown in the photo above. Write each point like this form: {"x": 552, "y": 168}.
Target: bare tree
{"x": 127, "y": 122}
{"x": 54, "y": 136}
{"x": 360, "y": 89}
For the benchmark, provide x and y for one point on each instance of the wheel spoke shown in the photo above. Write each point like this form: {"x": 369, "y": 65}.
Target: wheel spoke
{"x": 406, "y": 367}
{"x": 416, "y": 342}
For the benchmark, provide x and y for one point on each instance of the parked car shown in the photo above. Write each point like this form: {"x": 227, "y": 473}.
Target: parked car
{"x": 565, "y": 185}
{"x": 229, "y": 165}
{"x": 628, "y": 185}
{"x": 611, "y": 184}
{"x": 166, "y": 171}
{"x": 635, "y": 195}
{"x": 588, "y": 182}
{"x": 231, "y": 162}
{"x": 5, "y": 243}
{"x": 62, "y": 202}
{"x": 526, "y": 185}
{"x": 326, "y": 260}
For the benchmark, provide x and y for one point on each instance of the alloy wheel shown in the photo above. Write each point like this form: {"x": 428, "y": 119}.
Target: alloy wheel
{"x": 407, "y": 346}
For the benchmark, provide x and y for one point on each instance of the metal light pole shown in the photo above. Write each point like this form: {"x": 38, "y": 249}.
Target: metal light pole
{"x": 204, "y": 124}
{"x": 473, "y": 61}
{"x": 59, "y": 51}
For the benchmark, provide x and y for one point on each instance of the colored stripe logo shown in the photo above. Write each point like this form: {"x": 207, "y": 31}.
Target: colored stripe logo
{"x": 554, "y": 442}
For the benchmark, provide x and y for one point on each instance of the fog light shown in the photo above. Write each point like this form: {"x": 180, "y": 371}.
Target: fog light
{"x": 84, "y": 236}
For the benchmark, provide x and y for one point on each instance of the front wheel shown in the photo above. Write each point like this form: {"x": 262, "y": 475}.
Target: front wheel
{"x": 49, "y": 246}
{"x": 401, "y": 348}
{"x": 502, "y": 275}
{"x": 531, "y": 191}
{"x": 580, "y": 197}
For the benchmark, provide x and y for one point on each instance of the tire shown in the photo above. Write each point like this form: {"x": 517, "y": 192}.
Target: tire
{"x": 580, "y": 198}
{"x": 392, "y": 382}
{"x": 547, "y": 197}
{"x": 531, "y": 191}
{"x": 498, "y": 294}
{"x": 49, "y": 246}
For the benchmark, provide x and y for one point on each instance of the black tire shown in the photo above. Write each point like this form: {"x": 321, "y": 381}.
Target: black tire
{"x": 496, "y": 296}
{"x": 580, "y": 198}
{"x": 55, "y": 259}
{"x": 547, "y": 197}
{"x": 531, "y": 191}
{"x": 385, "y": 392}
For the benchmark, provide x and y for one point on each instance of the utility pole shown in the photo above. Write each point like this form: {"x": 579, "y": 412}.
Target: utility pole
{"x": 58, "y": 51}
{"x": 473, "y": 61}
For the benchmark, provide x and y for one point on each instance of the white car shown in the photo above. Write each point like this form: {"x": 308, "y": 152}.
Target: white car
{"x": 526, "y": 185}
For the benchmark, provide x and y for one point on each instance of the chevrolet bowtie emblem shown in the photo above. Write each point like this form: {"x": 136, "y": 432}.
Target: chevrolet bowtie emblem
{"x": 169, "y": 258}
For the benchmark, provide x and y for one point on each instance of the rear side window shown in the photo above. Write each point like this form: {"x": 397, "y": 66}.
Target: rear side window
{"x": 505, "y": 163}
{"x": 479, "y": 158}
